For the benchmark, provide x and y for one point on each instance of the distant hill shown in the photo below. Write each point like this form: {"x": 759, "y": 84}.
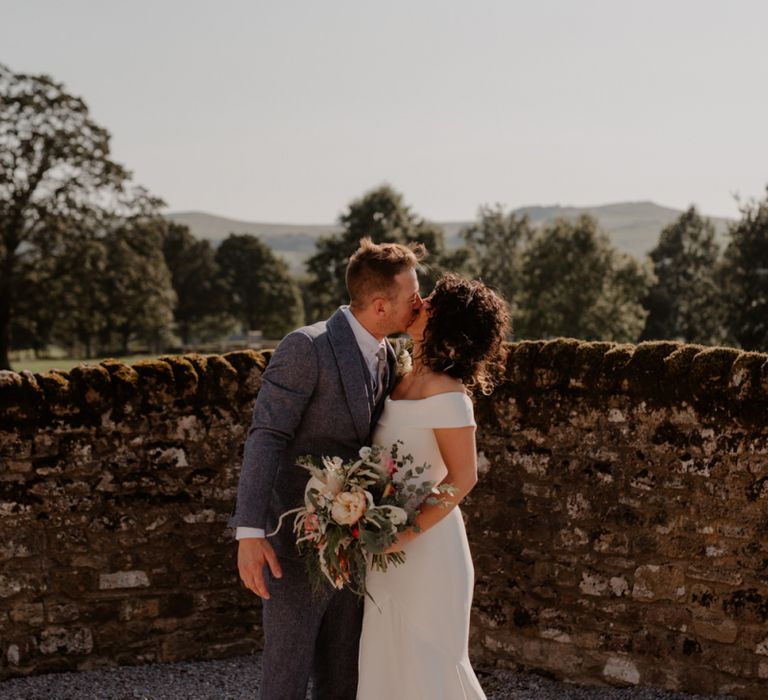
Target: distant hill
{"x": 293, "y": 242}
{"x": 633, "y": 227}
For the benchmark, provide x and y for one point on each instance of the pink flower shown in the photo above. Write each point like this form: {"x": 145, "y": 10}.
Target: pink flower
{"x": 310, "y": 523}
{"x": 391, "y": 466}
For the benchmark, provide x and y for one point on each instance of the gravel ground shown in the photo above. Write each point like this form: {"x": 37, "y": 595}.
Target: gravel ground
{"x": 233, "y": 679}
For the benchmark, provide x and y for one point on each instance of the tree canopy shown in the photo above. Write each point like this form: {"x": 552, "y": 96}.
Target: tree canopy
{"x": 574, "y": 283}
{"x": 382, "y": 215}
{"x": 57, "y": 179}
{"x": 496, "y": 242}
{"x": 202, "y": 311}
{"x": 745, "y": 277}
{"x": 685, "y": 303}
{"x": 87, "y": 262}
{"x": 263, "y": 295}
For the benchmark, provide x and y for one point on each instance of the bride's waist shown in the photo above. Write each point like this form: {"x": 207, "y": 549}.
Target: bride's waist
{"x": 452, "y": 521}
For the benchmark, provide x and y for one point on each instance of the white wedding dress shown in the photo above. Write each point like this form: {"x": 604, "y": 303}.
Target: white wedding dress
{"x": 415, "y": 635}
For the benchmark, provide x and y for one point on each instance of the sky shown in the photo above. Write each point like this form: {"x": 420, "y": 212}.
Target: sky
{"x": 285, "y": 111}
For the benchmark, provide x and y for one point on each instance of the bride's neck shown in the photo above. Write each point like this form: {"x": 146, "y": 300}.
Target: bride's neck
{"x": 418, "y": 366}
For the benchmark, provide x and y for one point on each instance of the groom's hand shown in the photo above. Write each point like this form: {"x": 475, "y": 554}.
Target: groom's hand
{"x": 253, "y": 554}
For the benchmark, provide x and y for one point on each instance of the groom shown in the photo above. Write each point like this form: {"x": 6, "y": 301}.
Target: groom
{"x": 321, "y": 394}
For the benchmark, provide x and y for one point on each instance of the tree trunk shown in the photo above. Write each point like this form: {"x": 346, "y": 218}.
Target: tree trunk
{"x": 5, "y": 332}
{"x": 6, "y": 275}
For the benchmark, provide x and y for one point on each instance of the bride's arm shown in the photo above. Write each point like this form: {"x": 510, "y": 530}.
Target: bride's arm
{"x": 457, "y": 448}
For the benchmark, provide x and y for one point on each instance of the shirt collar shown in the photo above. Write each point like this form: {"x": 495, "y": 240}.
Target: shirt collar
{"x": 367, "y": 342}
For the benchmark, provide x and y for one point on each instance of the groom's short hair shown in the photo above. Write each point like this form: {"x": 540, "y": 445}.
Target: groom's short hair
{"x": 372, "y": 269}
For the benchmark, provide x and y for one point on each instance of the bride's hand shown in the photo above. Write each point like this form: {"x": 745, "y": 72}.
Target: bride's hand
{"x": 402, "y": 539}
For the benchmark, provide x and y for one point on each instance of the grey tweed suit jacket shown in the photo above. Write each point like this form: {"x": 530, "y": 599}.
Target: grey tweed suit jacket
{"x": 315, "y": 399}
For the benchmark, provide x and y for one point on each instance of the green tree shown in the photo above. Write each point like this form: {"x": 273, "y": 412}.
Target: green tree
{"x": 78, "y": 295}
{"x": 104, "y": 292}
{"x": 745, "y": 277}
{"x": 496, "y": 241}
{"x": 140, "y": 296}
{"x": 685, "y": 303}
{"x": 32, "y": 321}
{"x": 574, "y": 283}
{"x": 262, "y": 292}
{"x": 35, "y": 309}
{"x": 56, "y": 180}
{"x": 382, "y": 215}
{"x": 201, "y": 312}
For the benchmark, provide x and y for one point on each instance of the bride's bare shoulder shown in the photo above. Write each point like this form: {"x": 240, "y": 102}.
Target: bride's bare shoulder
{"x": 439, "y": 383}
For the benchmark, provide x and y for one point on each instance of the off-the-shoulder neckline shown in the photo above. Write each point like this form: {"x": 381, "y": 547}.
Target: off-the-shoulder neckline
{"x": 426, "y": 398}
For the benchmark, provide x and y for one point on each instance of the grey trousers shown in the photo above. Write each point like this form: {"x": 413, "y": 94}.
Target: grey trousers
{"x": 309, "y": 633}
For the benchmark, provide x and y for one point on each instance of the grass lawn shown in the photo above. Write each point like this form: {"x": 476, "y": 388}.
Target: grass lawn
{"x": 39, "y": 366}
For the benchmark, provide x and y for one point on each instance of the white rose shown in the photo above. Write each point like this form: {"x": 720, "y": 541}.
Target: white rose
{"x": 404, "y": 362}
{"x": 348, "y": 507}
{"x": 365, "y": 452}
{"x": 329, "y": 484}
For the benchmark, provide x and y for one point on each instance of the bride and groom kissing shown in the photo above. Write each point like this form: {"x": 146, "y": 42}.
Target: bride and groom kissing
{"x": 330, "y": 389}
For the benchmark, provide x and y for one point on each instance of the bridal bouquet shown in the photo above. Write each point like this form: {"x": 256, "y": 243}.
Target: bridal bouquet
{"x": 354, "y": 510}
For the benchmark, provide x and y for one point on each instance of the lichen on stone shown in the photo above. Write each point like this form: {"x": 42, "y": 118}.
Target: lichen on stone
{"x": 125, "y": 384}
{"x": 587, "y": 361}
{"x": 250, "y": 365}
{"x": 185, "y": 375}
{"x": 222, "y": 379}
{"x": 611, "y": 376}
{"x": 120, "y": 373}
{"x": 553, "y": 363}
{"x": 711, "y": 368}
{"x": 520, "y": 362}
{"x": 244, "y": 361}
{"x": 678, "y": 363}
{"x": 21, "y": 398}
{"x": 157, "y": 384}
{"x": 745, "y": 377}
{"x": 645, "y": 372}
{"x": 92, "y": 387}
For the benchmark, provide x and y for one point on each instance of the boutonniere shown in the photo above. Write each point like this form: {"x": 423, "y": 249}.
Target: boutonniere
{"x": 403, "y": 356}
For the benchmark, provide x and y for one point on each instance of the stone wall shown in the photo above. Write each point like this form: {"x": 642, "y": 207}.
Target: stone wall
{"x": 618, "y": 529}
{"x": 115, "y": 486}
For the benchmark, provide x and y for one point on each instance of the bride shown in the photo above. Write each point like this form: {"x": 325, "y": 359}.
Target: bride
{"x": 415, "y": 635}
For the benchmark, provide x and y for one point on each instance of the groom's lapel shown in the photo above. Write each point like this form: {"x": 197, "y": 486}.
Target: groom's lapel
{"x": 392, "y": 362}
{"x": 352, "y": 372}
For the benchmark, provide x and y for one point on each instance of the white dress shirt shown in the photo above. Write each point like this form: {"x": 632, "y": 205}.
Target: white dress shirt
{"x": 369, "y": 347}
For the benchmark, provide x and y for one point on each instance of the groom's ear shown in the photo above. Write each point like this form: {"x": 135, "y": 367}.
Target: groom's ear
{"x": 379, "y": 305}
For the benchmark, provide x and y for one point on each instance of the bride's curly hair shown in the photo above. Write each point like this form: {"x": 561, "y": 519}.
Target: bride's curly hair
{"x": 465, "y": 331}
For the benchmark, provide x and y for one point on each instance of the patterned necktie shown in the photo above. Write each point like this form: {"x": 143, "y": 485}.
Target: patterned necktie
{"x": 381, "y": 374}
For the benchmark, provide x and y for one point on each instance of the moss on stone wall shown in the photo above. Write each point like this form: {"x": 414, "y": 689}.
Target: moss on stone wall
{"x": 86, "y": 392}
{"x": 724, "y": 380}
